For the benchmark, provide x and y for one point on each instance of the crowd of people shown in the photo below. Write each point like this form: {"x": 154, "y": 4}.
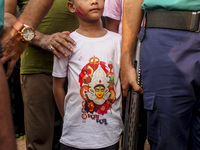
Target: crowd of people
{"x": 74, "y": 71}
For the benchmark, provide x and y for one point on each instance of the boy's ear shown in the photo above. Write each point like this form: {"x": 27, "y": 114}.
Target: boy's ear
{"x": 71, "y": 7}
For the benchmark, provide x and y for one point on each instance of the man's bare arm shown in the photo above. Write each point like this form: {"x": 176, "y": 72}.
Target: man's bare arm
{"x": 9, "y": 13}
{"x": 12, "y": 46}
{"x": 132, "y": 18}
{"x": 7, "y": 138}
{"x": 56, "y": 40}
{"x": 112, "y": 24}
{"x": 35, "y": 11}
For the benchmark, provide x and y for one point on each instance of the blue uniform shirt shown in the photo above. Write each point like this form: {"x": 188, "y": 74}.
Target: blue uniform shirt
{"x": 1, "y": 15}
{"x": 178, "y": 5}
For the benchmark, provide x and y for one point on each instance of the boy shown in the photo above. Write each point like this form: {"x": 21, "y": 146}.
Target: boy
{"x": 92, "y": 106}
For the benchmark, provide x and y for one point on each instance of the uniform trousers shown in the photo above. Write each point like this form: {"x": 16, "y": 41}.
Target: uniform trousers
{"x": 170, "y": 65}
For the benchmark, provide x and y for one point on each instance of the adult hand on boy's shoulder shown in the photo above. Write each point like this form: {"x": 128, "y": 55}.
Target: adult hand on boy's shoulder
{"x": 54, "y": 42}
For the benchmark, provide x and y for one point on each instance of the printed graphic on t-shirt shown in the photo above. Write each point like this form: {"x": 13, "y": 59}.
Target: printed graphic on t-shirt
{"x": 97, "y": 89}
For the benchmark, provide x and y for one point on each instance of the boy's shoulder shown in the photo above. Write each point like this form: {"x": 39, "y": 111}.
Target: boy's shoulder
{"x": 72, "y": 34}
{"x": 114, "y": 35}
{"x": 109, "y": 35}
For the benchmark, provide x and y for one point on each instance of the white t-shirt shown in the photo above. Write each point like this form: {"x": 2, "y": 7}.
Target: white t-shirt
{"x": 93, "y": 102}
{"x": 113, "y": 10}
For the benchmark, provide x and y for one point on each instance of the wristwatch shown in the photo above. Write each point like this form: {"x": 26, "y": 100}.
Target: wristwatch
{"x": 26, "y": 32}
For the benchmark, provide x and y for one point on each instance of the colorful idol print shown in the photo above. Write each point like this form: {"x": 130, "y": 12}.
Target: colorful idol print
{"x": 97, "y": 89}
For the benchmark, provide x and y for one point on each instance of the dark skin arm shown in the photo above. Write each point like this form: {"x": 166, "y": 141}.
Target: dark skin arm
{"x": 7, "y": 138}
{"x": 11, "y": 44}
{"x": 57, "y": 40}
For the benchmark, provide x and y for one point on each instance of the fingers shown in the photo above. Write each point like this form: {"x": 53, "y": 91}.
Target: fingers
{"x": 129, "y": 78}
{"x": 135, "y": 85}
{"x": 66, "y": 40}
{"x": 137, "y": 88}
{"x": 52, "y": 49}
{"x": 10, "y": 67}
{"x": 4, "y": 58}
{"x": 124, "y": 92}
{"x": 70, "y": 40}
{"x": 66, "y": 32}
{"x": 60, "y": 40}
{"x": 57, "y": 47}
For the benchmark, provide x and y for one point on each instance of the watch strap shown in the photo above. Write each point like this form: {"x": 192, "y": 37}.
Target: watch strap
{"x": 13, "y": 32}
{"x": 20, "y": 29}
{"x": 18, "y": 25}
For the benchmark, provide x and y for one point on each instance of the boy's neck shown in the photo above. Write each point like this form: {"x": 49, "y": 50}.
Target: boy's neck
{"x": 91, "y": 29}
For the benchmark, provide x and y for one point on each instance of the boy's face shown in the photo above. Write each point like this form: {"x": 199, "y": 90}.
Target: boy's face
{"x": 89, "y": 9}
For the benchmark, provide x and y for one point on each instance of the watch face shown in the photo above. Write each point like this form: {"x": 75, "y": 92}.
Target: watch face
{"x": 28, "y": 34}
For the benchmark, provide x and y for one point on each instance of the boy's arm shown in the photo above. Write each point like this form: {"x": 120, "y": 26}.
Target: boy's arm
{"x": 132, "y": 18}
{"x": 59, "y": 93}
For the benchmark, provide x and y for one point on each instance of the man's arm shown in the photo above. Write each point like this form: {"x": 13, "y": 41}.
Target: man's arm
{"x": 11, "y": 44}
{"x": 112, "y": 14}
{"x": 56, "y": 40}
{"x": 112, "y": 24}
{"x": 132, "y": 18}
{"x": 7, "y": 138}
{"x": 35, "y": 11}
{"x": 59, "y": 93}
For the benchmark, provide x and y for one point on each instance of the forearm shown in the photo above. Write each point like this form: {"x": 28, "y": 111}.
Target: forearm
{"x": 111, "y": 24}
{"x": 7, "y": 140}
{"x": 59, "y": 93}
{"x": 32, "y": 14}
{"x": 132, "y": 18}
{"x": 37, "y": 39}
{"x": 59, "y": 98}
{"x": 35, "y": 11}
{"x": 9, "y": 19}
{"x": 9, "y": 15}
{"x": 12, "y": 44}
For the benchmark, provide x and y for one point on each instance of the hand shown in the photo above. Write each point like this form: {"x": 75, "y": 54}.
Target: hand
{"x": 129, "y": 77}
{"x": 54, "y": 42}
{"x": 12, "y": 48}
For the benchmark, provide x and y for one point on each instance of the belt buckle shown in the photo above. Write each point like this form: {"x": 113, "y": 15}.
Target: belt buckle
{"x": 195, "y": 22}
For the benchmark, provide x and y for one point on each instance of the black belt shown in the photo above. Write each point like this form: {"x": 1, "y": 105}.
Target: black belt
{"x": 189, "y": 21}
